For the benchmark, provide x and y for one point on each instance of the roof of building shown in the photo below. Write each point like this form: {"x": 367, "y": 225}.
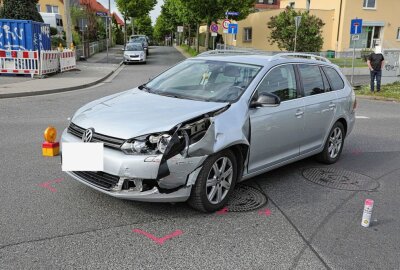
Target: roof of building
{"x": 118, "y": 19}
{"x": 93, "y": 5}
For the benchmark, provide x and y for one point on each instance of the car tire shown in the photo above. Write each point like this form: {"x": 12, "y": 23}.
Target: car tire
{"x": 212, "y": 189}
{"x": 333, "y": 145}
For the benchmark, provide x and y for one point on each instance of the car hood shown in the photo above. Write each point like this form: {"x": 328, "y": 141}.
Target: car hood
{"x": 132, "y": 52}
{"x": 134, "y": 113}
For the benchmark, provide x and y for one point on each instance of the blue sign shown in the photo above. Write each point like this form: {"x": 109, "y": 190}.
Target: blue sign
{"x": 101, "y": 14}
{"x": 232, "y": 13}
{"x": 233, "y": 28}
{"x": 356, "y": 27}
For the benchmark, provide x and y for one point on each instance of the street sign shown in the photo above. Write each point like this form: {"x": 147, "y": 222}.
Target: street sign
{"x": 232, "y": 13}
{"x": 355, "y": 37}
{"x": 101, "y": 14}
{"x": 180, "y": 29}
{"x": 214, "y": 28}
{"x": 214, "y": 34}
{"x": 226, "y": 23}
{"x": 297, "y": 21}
{"x": 233, "y": 28}
{"x": 356, "y": 27}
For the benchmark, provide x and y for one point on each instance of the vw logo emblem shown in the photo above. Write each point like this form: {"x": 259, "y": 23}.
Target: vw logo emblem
{"x": 88, "y": 135}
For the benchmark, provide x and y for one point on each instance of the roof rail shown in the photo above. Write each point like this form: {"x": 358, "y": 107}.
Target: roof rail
{"x": 300, "y": 55}
{"x": 217, "y": 52}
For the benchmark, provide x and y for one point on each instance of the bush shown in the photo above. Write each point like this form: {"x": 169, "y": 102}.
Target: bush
{"x": 53, "y": 31}
{"x": 55, "y": 42}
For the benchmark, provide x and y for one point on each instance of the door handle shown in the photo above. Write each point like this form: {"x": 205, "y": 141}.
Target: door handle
{"x": 332, "y": 105}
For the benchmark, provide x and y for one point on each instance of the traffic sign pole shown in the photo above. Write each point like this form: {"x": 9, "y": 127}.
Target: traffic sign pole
{"x": 355, "y": 29}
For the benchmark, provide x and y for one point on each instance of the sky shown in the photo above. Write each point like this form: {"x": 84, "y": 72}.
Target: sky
{"x": 153, "y": 14}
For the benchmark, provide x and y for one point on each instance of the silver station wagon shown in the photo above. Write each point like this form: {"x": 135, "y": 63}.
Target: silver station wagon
{"x": 209, "y": 122}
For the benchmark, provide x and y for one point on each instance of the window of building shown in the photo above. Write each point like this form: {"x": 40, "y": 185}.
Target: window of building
{"x": 248, "y": 34}
{"x": 269, "y": 2}
{"x": 51, "y": 9}
{"x": 369, "y": 4}
{"x": 398, "y": 33}
{"x": 38, "y": 7}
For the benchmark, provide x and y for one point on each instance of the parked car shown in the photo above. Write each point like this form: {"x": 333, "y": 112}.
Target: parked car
{"x": 141, "y": 39}
{"x": 195, "y": 131}
{"x": 134, "y": 53}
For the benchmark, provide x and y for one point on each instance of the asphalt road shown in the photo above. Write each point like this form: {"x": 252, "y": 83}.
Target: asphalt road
{"x": 309, "y": 226}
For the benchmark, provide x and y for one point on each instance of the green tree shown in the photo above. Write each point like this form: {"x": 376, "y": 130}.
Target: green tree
{"x": 212, "y": 10}
{"x": 143, "y": 25}
{"x": 309, "y": 35}
{"x": 20, "y": 10}
{"x": 134, "y": 8}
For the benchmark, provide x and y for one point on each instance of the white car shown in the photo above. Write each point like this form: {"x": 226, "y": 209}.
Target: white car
{"x": 134, "y": 52}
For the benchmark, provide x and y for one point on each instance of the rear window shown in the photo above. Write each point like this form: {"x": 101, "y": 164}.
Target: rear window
{"x": 334, "y": 78}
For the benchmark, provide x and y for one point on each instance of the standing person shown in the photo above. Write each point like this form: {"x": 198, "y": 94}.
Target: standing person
{"x": 375, "y": 63}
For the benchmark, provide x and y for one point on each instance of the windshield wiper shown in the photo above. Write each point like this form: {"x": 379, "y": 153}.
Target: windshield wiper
{"x": 144, "y": 87}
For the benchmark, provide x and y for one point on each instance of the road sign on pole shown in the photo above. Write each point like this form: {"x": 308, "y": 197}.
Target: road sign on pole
{"x": 233, "y": 28}
{"x": 355, "y": 30}
{"x": 101, "y": 14}
{"x": 180, "y": 29}
{"x": 214, "y": 28}
{"x": 226, "y": 23}
{"x": 232, "y": 13}
{"x": 356, "y": 27}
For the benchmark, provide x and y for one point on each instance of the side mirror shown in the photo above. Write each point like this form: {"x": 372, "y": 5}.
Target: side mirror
{"x": 265, "y": 99}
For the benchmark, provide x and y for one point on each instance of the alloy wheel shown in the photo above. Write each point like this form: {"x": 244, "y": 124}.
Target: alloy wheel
{"x": 219, "y": 180}
{"x": 335, "y": 142}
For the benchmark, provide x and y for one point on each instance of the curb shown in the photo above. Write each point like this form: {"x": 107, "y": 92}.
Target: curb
{"x": 58, "y": 90}
{"x": 185, "y": 54}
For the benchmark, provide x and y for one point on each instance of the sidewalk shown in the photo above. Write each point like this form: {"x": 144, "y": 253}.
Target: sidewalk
{"x": 88, "y": 73}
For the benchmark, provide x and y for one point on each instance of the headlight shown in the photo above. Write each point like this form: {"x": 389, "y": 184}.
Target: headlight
{"x": 163, "y": 142}
{"x": 141, "y": 55}
{"x": 148, "y": 145}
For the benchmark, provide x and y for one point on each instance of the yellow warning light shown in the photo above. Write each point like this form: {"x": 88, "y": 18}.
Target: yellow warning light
{"x": 50, "y": 134}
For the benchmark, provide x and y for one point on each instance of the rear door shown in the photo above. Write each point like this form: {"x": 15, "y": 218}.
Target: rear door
{"x": 275, "y": 131}
{"x": 320, "y": 106}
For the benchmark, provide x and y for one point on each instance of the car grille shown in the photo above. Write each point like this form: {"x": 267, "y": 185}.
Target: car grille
{"x": 101, "y": 179}
{"x": 107, "y": 140}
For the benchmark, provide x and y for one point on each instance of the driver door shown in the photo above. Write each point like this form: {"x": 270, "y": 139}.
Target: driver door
{"x": 276, "y": 131}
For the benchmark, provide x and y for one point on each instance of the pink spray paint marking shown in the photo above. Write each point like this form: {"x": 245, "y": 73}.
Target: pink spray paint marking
{"x": 161, "y": 240}
{"x": 223, "y": 211}
{"x": 48, "y": 184}
{"x": 265, "y": 212}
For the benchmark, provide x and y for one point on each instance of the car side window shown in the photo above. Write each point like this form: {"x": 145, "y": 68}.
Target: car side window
{"x": 280, "y": 81}
{"x": 311, "y": 78}
{"x": 327, "y": 87}
{"x": 334, "y": 78}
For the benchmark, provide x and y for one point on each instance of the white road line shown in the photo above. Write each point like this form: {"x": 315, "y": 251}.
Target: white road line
{"x": 362, "y": 117}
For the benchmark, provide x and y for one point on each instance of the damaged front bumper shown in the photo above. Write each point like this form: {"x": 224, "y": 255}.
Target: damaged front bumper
{"x": 136, "y": 177}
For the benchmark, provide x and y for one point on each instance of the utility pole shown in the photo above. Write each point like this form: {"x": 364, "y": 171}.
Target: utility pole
{"x": 67, "y": 15}
{"x": 110, "y": 23}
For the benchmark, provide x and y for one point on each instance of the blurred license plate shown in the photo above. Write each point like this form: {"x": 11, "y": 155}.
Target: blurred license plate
{"x": 82, "y": 157}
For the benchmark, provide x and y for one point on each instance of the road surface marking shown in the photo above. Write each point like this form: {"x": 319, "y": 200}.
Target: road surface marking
{"x": 48, "y": 184}
{"x": 265, "y": 212}
{"x": 362, "y": 117}
{"x": 157, "y": 240}
{"x": 222, "y": 211}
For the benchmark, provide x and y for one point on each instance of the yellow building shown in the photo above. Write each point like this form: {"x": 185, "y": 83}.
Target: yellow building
{"x": 381, "y": 24}
{"x": 51, "y": 6}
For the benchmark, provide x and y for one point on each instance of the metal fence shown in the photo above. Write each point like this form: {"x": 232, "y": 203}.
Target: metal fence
{"x": 90, "y": 48}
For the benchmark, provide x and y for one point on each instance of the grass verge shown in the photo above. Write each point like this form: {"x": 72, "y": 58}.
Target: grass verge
{"x": 346, "y": 62}
{"x": 189, "y": 50}
{"x": 388, "y": 91}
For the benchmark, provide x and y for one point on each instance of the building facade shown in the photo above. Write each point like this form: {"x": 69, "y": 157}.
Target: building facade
{"x": 381, "y": 24}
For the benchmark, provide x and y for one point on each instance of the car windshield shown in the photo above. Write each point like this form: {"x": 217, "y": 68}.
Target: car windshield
{"x": 205, "y": 80}
{"x": 133, "y": 47}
